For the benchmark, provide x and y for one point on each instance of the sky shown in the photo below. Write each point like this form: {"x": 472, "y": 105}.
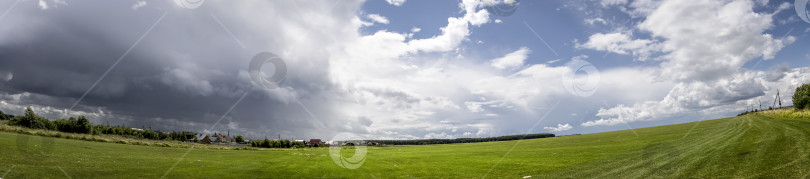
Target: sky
{"x": 400, "y": 69}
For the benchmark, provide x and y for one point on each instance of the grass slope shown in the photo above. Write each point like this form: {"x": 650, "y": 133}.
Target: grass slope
{"x": 750, "y": 146}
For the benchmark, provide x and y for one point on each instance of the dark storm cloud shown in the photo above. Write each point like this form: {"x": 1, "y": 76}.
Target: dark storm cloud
{"x": 184, "y": 74}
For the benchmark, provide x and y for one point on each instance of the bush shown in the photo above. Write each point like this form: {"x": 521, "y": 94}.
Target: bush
{"x": 32, "y": 120}
{"x": 83, "y": 126}
{"x": 801, "y": 98}
{"x": 149, "y": 134}
{"x": 64, "y": 125}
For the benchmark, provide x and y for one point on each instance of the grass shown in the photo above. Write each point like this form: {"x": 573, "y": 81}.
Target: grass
{"x": 115, "y": 138}
{"x": 788, "y": 112}
{"x": 749, "y": 146}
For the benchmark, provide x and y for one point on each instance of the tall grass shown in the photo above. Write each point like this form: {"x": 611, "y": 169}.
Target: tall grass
{"x": 789, "y": 112}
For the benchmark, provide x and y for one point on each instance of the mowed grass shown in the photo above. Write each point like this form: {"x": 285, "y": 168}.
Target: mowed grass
{"x": 750, "y": 146}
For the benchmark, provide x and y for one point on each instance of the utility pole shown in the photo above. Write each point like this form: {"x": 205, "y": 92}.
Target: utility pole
{"x": 775, "y": 99}
{"x": 760, "y": 104}
{"x": 778, "y": 97}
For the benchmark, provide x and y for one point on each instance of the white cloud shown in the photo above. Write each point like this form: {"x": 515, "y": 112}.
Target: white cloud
{"x": 723, "y": 94}
{"x": 592, "y": 21}
{"x": 452, "y": 35}
{"x": 783, "y": 6}
{"x": 613, "y": 2}
{"x": 416, "y": 29}
{"x": 403, "y": 94}
{"x": 183, "y": 80}
{"x": 477, "y": 106}
{"x": 43, "y": 5}
{"x": 498, "y": 21}
{"x": 725, "y": 43}
{"x": 475, "y": 18}
{"x": 511, "y": 60}
{"x": 138, "y": 5}
{"x": 496, "y": 2}
{"x": 6, "y": 76}
{"x": 395, "y": 2}
{"x": 378, "y": 18}
{"x": 560, "y": 127}
{"x": 702, "y": 51}
{"x": 621, "y": 43}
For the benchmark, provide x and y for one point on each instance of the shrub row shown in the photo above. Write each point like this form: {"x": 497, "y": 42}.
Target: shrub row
{"x": 83, "y": 126}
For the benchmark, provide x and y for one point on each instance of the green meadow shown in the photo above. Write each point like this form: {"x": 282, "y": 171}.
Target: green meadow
{"x": 748, "y": 146}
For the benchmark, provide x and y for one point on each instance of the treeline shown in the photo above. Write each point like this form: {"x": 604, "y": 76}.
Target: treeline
{"x": 459, "y": 140}
{"x": 83, "y": 126}
{"x": 266, "y": 143}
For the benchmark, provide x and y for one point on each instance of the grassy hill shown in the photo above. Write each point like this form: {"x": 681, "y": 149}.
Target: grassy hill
{"x": 749, "y": 146}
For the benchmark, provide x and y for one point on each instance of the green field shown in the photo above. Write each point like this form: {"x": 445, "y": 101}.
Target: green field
{"x": 750, "y": 146}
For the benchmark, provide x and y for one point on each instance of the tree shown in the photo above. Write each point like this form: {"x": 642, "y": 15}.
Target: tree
{"x": 3, "y": 116}
{"x": 32, "y": 120}
{"x": 801, "y": 98}
{"x": 239, "y": 139}
{"x": 83, "y": 126}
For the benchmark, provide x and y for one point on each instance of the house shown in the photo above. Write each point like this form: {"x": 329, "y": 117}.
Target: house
{"x": 314, "y": 141}
{"x": 219, "y": 138}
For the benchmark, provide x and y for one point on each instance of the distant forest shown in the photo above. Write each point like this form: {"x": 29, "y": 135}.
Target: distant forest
{"x": 459, "y": 140}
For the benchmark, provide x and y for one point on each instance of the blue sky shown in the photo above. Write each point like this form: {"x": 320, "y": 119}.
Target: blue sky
{"x": 400, "y": 69}
{"x": 559, "y": 25}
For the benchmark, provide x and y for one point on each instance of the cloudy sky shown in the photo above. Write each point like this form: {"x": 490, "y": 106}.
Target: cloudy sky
{"x": 399, "y": 69}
